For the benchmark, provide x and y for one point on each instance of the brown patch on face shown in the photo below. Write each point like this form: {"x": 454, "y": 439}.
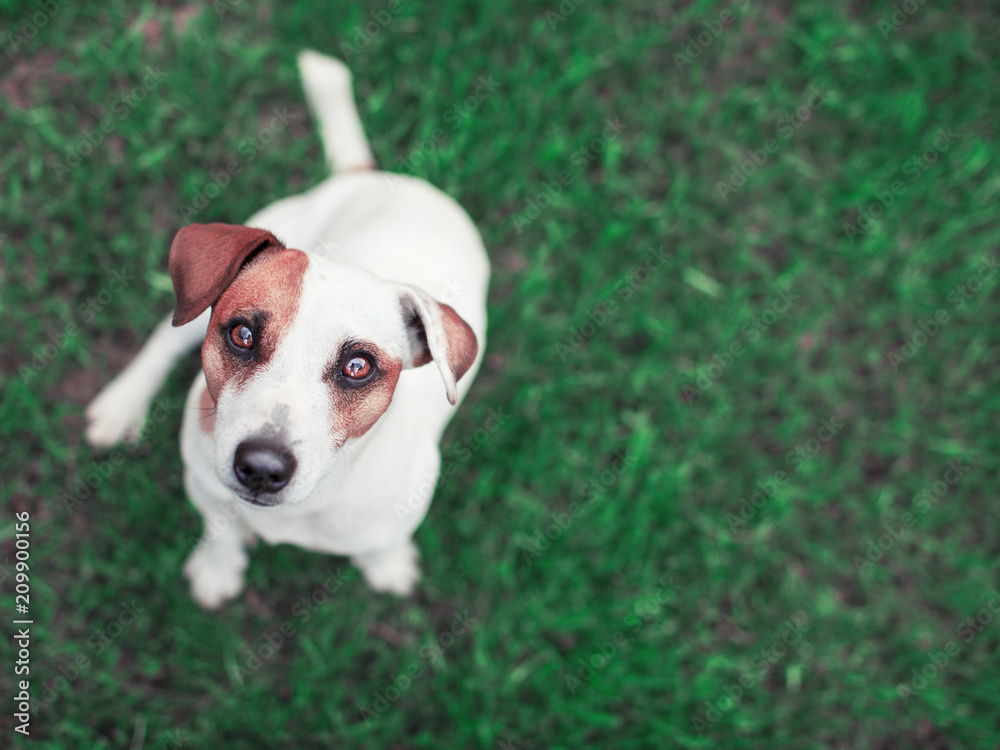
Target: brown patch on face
{"x": 356, "y": 409}
{"x": 462, "y": 344}
{"x": 265, "y": 295}
{"x": 207, "y": 416}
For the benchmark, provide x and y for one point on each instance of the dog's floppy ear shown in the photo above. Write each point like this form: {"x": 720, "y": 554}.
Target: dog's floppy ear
{"x": 436, "y": 332}
{"x": 204, "y": 260}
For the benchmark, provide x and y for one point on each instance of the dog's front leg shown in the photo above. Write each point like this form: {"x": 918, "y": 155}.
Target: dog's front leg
{"x": 117, "y": 412}
{"x": 215, "y": 568}
{"x": 393, "y": 571}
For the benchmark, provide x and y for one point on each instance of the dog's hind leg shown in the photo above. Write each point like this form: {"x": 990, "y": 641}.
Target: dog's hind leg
{"x": 118, "y": 411}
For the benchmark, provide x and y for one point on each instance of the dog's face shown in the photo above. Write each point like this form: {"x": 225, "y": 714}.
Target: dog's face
{"x": 302, "y": 354}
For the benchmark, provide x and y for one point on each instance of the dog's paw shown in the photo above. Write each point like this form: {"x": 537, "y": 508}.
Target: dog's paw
{"x": 216, "y": 575}
{"x": 116, "y": 413}
{"x": 394, "y": 571}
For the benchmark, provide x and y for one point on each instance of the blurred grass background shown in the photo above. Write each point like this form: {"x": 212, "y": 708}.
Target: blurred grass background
{"x": 588, "y": 356}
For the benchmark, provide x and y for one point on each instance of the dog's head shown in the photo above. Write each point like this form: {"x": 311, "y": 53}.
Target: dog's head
{"x": 302, "y": 354}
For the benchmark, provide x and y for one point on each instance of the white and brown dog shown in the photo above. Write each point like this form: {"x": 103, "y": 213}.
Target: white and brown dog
{"x": 303, "y": 426}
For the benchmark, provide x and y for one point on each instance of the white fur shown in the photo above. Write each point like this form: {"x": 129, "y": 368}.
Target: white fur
{"x": 367, "y": 234}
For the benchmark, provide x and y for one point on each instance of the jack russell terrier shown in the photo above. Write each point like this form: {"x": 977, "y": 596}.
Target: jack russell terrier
{"x": 303, "y": 426}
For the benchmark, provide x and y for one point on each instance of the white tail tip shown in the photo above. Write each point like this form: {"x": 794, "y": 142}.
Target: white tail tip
{"x": 327, "y": 83}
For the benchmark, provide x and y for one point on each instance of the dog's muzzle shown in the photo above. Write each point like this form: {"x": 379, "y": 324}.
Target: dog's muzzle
{"x": 263, "y": 466}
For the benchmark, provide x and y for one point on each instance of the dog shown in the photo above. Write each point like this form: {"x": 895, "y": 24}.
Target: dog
{"x": 314, "y": 420}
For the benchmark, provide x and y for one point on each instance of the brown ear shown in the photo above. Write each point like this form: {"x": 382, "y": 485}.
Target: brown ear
{"x": 204, "y": 260}
{"x": 436, "y": 332}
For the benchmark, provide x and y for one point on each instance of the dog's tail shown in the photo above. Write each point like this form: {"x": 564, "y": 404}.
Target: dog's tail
{"x": 327, "y": 83}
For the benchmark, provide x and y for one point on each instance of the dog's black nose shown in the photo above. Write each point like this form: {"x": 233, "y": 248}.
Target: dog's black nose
{"x": 263, "y": 466}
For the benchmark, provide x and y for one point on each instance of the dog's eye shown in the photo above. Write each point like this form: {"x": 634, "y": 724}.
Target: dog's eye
{"x": 241, "y": 336}
{"x": 357, "y": 368}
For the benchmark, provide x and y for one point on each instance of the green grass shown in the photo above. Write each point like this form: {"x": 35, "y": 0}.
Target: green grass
{"x": 658, "y": 562}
